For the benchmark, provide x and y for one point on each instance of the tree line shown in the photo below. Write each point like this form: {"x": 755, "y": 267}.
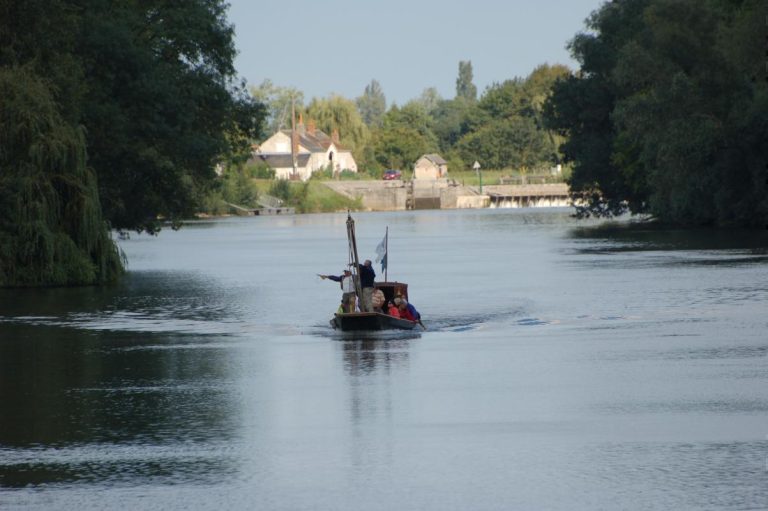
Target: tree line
{"x": 668, "y": 114}
{"x": 113, "y": 116}
{"x": 503, "y": 128}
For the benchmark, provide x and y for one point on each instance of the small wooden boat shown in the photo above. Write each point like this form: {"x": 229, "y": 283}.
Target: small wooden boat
{"x": 367, "y": 321}
{"x": 376, "y": 320}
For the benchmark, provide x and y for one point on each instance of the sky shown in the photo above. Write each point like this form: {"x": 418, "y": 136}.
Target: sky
{"x": 339, "y": 46}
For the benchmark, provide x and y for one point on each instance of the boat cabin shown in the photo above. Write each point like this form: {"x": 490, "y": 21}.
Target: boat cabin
{"x": 392, "y": 290}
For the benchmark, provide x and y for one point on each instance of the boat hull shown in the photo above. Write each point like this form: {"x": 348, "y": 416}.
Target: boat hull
{"x": 368, "y": 321}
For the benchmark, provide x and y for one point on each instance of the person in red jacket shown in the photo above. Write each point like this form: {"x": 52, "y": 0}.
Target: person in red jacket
{"x": 404, "y": 312}
{"x": 393, "y": 310}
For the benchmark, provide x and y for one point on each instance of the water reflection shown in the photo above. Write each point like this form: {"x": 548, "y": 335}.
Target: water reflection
{"x": 85, "y": 405}
{"x": 637, "y": 236}
{"x": 143, "y": 301}
{"x": 366, "y": 355}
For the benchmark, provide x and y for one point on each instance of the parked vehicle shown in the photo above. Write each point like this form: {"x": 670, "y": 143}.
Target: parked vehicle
{"x": 390, "y": 174}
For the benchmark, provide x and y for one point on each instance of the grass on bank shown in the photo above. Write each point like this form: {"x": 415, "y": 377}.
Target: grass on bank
{"x": 307, "y": 197}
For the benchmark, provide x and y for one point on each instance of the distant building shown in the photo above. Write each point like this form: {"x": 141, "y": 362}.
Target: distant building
{"x": 430, "y": 166}
{"x": 315, "y": 150}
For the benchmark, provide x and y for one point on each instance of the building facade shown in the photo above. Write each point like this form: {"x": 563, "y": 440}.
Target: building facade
{"x": 314, "y": 151}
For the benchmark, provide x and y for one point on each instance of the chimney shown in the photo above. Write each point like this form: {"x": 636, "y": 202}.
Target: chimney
{"x": 335, "y": 136}
{"x": 311, "y": 127}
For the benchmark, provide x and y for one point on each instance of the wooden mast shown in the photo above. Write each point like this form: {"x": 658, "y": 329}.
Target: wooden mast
{"x": 353, "y": 258}
{"x": 294, "y": 138}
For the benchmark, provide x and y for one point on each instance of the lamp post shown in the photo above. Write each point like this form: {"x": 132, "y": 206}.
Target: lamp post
{"x": 476, "y": 166}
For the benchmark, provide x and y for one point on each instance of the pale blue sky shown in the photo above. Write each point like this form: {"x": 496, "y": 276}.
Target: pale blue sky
{"x": 339, "y": 46}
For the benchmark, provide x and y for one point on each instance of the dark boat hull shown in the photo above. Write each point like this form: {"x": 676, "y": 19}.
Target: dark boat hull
{"x": 370, "y": 321}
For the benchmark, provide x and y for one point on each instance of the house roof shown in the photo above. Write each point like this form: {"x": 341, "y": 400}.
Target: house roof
{"x": 316, "y": 141}
{"x": 435, "y": 158}
{"x": 283, "y": 160}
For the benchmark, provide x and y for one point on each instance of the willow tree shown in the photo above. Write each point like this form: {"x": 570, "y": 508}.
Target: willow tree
{"x": 336, "y": 113}
{"x": 146, "y": 91}
{"x": 51, "y": 229}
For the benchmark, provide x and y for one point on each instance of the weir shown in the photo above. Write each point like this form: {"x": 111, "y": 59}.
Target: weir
{"x": 529, "y": 196}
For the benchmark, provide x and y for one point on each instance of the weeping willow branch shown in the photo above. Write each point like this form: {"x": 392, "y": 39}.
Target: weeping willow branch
{"x": 52, "y": 232}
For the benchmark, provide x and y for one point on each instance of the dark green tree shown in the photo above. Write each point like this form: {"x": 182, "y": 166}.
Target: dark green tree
{"x": 507, "y": 143}
{"x": 464, "y": 86}
{"x": 404, "y": 137}
{"x": 51, "y": 229}
{"x": 161, "y": 100}
{"x": 111, "y": 115}
{"x": 454, "y": 118}
{"x": 581, "y": 106}
{"x": 666, "y": 113}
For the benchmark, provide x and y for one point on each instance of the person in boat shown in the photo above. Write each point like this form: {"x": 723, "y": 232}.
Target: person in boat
{"x": 407, "y": 311}
{"x": 378, "y": 301}
{"x": 347, "y": 284}
{"x": 367, "y": 277}
{"x": 392, "y": 310}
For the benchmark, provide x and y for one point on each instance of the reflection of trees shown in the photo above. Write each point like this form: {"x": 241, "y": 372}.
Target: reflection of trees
{"x": 71, "y": 391}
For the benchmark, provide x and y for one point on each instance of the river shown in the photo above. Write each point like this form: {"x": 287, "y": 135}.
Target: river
{"x": 565, "y": 365}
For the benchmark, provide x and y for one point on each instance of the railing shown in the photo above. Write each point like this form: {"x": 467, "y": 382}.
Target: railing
{"x": 532, "y": 179}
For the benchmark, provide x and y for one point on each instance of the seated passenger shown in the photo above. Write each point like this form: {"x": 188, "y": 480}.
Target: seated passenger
{"x": 412, "y": 310}
{"x": 393, "y": 311}
{"x": 378, "y": 300}
{"x": 404, "y": 312}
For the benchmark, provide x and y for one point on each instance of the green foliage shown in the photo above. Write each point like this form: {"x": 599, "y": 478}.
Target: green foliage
{"x": 668, "y": 114}
{"x": 452, "y": 119}
{"x": 311, "y": 197}
{"x": 159, "y": 105}
{"x": 508, "y": 143}
{"x": 464, "y": 87}
{"x": 260, "y": 170}
{"x": 398, "y": 147}
{"x": 146, "y": 90}
{"x": 51, "y": 230}
{"x": 372, "y": 105}
{"x": 234, "y": 186}
{"x": 340, "y": 115}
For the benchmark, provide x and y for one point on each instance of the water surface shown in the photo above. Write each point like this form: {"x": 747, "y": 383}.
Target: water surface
{"x": 565, "y": 365}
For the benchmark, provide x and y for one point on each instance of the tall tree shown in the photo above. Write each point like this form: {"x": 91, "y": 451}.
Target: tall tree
{"x": 404, "y": 137}
{"x": 581, "y": 106}
{"x": 372, "y": 105}
{"x": 336, "y": 113}
{"x": 464, "y": 86}
{"x": 110, "y": 112}
{"x": 667, "y": 113}
{"x": 161, "y": 99}
{"x": 514, "y": 143}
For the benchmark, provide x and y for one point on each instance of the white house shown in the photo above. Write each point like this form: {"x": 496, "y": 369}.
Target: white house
{"x": 314, "y": 151}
